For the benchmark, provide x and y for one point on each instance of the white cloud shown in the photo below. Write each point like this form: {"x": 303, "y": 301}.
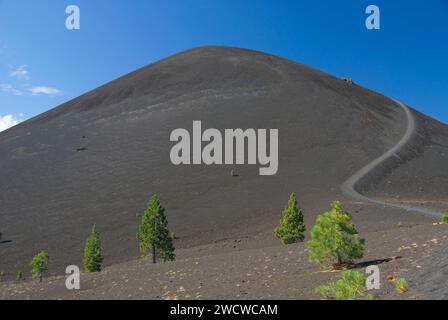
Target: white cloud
{"x": 44, "y": 90}
{"x": 10, "y": 89}
{"x": 7, "y": 122}
{"x": 21, "y": 73}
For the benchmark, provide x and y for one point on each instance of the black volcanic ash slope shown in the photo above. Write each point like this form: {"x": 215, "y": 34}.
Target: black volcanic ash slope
{"x": 99, "y": 157}
{"x": 423, "y": 171}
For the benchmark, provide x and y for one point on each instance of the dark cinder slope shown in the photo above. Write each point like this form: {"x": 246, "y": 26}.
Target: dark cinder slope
{"x": 422, "y": 174}
{"x": 98, "y": 158}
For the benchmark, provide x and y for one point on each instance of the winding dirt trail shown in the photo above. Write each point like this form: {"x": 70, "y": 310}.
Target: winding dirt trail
{"x": 349, "y": 186}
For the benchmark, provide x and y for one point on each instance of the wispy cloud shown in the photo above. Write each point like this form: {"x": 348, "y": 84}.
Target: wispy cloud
{"x": 35, "y": 91}
{"x": 21, "y": 73}
{"x": 8, "y": 121}
{"x": 40, "y": 90}
{"x": 7, "y": 88}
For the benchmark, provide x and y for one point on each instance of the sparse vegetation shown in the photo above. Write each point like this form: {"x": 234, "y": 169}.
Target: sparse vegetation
{"x": 351, "y": 286}
{"x": 444, "y": 219}
{"x": 233, "y": 173}
{"x": 19, "y": 275}
{"x": 291, "y": 226}
{"x": 39, "y": 265}
{"x": 401, "y": 285}
{"x": 334, "y": 239}
{"x": 153, "y": 233}
{"x": 92, "y": 252}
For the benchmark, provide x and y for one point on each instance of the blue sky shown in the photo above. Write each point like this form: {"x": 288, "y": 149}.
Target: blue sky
{"x": 42, "y": 64}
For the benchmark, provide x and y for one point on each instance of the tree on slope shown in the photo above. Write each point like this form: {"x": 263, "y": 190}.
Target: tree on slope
{"x": 92, "y": 252}
{"x": 334, "y": 238}
{"x": 291, "y": 226}
{"x": 153, "y": 233}
{"x": 39, "y": 265}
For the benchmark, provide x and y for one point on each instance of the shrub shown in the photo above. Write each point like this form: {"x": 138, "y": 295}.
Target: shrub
{"x": 291, "y": 226}
{"x": 401, "y": 285}
{"x": 153, "y": 232}
{"x": 39, "y": 265}
{"x": 334, "y": 239}
{"x": 348, "y": 80}
{"x": 92, "y": 252}
{"x": 351, "y": 286}
{"x": 444, "y": 219}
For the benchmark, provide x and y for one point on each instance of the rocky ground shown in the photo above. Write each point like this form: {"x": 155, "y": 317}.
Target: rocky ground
{"x": 241, "y": 269}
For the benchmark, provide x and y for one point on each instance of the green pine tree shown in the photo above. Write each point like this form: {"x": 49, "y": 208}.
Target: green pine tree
{"x": 334, "y": 238}
{"x": 351, "y": 286}
{"x": 39, "y": 265}
{"x": 92, "y": 252}
{"x": 153, "y": 233}
{"x": 291, "y": 226}
{"x": 443, "y": 219}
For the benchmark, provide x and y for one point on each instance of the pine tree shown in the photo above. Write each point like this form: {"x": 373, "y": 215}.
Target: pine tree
{"x": 334, "y": 238}
{"x": 39, "y": 265}
{"x": 92, "y": 252}
{"x": 443, "y": 219}
{"x": 153, "y": 233}
{"x": 291, "y": 226}
{"x": 351, "y": 286}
